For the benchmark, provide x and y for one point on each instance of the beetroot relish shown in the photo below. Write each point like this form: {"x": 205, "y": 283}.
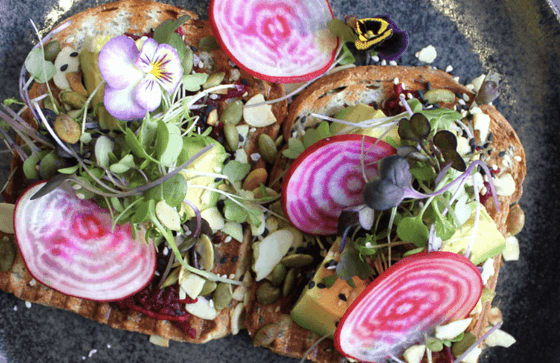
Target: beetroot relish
{"x": 391, "y": 106}
{"x": 161, "y": 304}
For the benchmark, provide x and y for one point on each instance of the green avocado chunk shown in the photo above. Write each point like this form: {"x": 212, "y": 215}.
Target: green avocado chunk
{"x": 319, "y": 308}
{"x": 362, "y": 112}
{"x": 210, "y": 162}
{"x": 488, "y": 241}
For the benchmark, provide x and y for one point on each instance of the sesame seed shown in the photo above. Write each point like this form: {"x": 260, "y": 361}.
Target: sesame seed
{"x": 15, "y": 308}
{"x": 74, "y": 54}
{"x": 64, "y": 67}
{"x": 449, "y": 68}
{"x": 383, "y": 62}
{"x": 321, "y": 285}
{"x": 502, "y": 154}
{"x": 392, "y": 63}
{"x": 342, "y": 297}
{"x": 396, "y": 80}
{"x": 466, "y": 97}
{"x": 375, "y": 58}
{"x": 311, "y": 285}
{"x": 234, "y": 259}
{"x": 32, "y": 282}
{"x": 517, "y": 158}
{"x": 28, "y": 304}
{"x": 228, "y": 239}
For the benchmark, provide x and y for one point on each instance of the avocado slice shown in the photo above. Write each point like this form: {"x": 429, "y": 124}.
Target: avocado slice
{"x": 319, "y": 308}
{"x": 488, "y": 242}
{"x": 362, "y": 112}
{"x": 209, "y": 162}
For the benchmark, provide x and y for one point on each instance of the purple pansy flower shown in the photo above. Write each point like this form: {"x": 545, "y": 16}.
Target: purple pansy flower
{"x": 136, "y": 80}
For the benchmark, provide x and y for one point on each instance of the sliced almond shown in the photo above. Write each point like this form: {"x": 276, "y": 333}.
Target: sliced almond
{"x": 258, "y": 116}
{"x": 237, "y": 318}
{"x": 7, "y": 218}
{"x": 452, "y": 330}
{"x": 203, "y": 309}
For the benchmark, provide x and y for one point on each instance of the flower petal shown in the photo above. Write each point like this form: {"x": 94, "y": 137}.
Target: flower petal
{"x": 169, "y": 70}
{"x": 148, "y": 93}
{"x": 147, "y": 54}
{"x": 116, "y": 62}
{"x": 121, "y": 104}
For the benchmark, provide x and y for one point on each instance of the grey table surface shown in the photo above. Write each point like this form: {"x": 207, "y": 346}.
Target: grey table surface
{"x": 520, "y": 39}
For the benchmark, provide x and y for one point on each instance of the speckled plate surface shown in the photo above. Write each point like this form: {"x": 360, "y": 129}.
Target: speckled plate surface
{"x": 520, "y": 39}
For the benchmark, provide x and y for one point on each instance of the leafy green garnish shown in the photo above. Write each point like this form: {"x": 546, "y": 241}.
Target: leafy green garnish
{"x": 236, "y": 171}
{"x": 41, "y": 70}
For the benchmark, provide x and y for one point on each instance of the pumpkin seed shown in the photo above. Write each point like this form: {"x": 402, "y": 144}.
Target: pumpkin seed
{"x": 269, "y": 193}
{"x": 73, "y": 99}
{"x": 7, "y": 253}
{"x": 461, "y": 346}
{"x": 52, "y": 104}
{"x": 268, "y": 294}
{"x": 222, "y": 295}
{"x": 289, "y": 282}
{"x": 67, "y": 129}
{"x": 232, "y": 136}
{"x": 279, "y": 141}
{"x": 515, "y": 220}
{"x": 168, "y": 216}
{"x": 278, "y": 274}
{"x": 267, "y": 148}
{"x": 172, "y": 278}
{"x": 52, "y": 49}
{"x": 233, "y": 113}
{"x": 237, "y": 319}
{"x": 255, "y": 178}
{"x": 205, "y": 248}
{"x": 208, "y": 44}
{"x": 7, "y": 218}
{"x": 214, "y": 80}
{"x": 208, "y": 288}
{"x": 297, "y": 260}
{"x": 266, "y": 335}
{"x": 439, "y": 95}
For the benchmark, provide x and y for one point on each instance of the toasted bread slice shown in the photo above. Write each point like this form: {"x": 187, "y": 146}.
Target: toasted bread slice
{"x": 139, "y": 17}
{"x": 370, "y": 84}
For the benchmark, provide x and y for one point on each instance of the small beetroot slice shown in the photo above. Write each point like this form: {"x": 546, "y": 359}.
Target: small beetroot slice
{"x": 406, "y": 301}
{"x": 67, "y": 245}
{"x": 283, "y": 41}
{"x": 327, "y": 178}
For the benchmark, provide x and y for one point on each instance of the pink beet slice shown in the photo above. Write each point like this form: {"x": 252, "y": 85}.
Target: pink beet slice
{"x": 67, "y": 245}
{"x": 283, "y": 41}
{"x": 406, "y": 301}
{"x": 327, "y": 178}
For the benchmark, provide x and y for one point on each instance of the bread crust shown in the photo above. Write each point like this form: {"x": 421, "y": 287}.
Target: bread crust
{"x": 365, "y": 84}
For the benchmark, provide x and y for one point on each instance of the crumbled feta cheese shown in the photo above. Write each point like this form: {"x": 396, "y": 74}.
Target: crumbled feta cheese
{"x": 511, "y": 252}
{"x": 28, "y": 304}
{"x": 427, "y": 54}
{"x": 487, "y": 270}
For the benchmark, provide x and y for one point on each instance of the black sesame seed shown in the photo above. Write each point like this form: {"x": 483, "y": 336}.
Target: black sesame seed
{"x": 472, "y": 143}
{"x": 489, "y": 151}
{"x": 458, "y": 95}
{"x": 310, "y": 276}
{"x": 290, "y": 249}
{"x": 223, "y": 260}
{"x": 234, "y": 259}
{"x": 311, "y": 285}
{"x": 217, "y": 180}
{"x": 342, "y": 297}
{"x": 241, "y": 138}
{"x": 375, "y": 105}
{"x": 74, "y": 54}
{"x": 266, "y": 232}
{"x": 428, "y": 86}
{"x": 194, "y": 48}
{"x": 303, "y": 119}
{"x": 244, "y": 82}
{"x": 421, "y": 94}
{"x": 321, "y": 285}
{"x": 64, "y": 67}
{"x": 502, "y": 154}
{"x": 490, "y": 136}
{"x": 485, "y": 146}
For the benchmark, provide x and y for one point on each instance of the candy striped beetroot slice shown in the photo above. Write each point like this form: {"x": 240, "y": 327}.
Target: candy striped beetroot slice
{"x": 327, "y": 178}
{"x": 282, "y": 41}
{"x": 67, "y": 244}
{"x": 406, "y": 301}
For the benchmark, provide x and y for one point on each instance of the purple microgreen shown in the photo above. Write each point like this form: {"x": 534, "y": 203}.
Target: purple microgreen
{"x": 406, "y": 105}
{"x": 412, "y": 153}
{"x": 489, "y": 90}
{"x": 198, "y": 227}
{"x": 446, "y": 142}
{"x": 434, "y": 242}
{"x": 416, "y": 129}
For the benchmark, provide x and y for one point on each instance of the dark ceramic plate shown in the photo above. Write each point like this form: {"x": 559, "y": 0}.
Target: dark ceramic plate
{"x": 520, "y": 39}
